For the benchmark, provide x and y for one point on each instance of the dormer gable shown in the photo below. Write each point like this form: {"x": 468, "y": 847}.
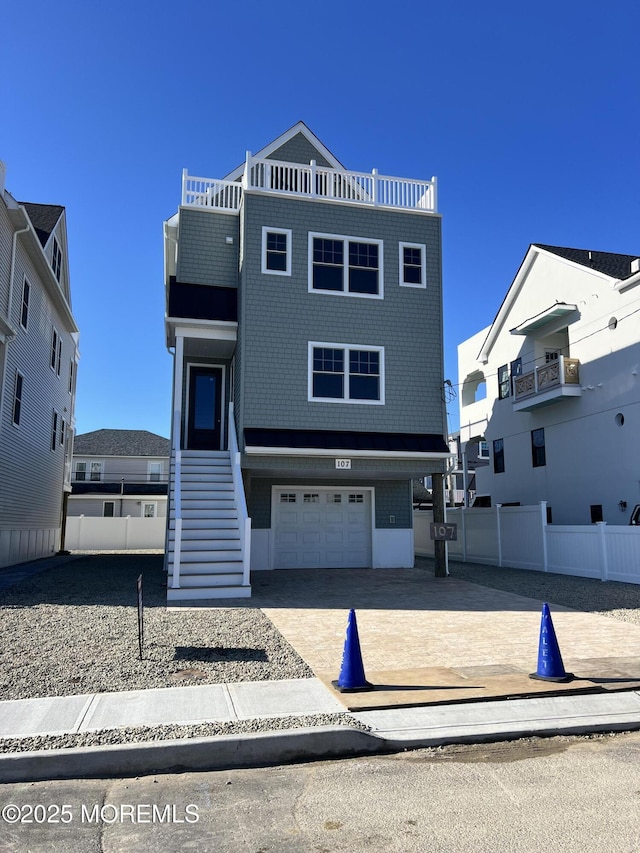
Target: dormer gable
{"x": 49, "y": 225}
{"x": 296, "y": 145}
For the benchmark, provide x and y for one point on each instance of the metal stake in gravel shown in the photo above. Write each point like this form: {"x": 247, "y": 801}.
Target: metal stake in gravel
{"x": 140, "y": 615}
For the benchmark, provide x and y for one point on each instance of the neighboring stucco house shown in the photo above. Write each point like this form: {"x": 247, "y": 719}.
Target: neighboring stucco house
{"x": 560, "y": 365}
{"x": 38, "y": 361}
{"x": 304, "y": 312}
{"x": 119, "y": 472}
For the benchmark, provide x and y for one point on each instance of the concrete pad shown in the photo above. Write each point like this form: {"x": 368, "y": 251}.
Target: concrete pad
{"x": 282, "y": 698}
{"x": 169, "y": 705}
{"x": 518, "y": 718}
{"x": 52, "y": 715}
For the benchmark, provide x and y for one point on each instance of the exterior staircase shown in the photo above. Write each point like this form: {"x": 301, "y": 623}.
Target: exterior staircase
{"x": 210, "y": 536}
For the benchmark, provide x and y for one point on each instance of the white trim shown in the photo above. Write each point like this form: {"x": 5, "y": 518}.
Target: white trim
{"x": 264, "y": 269}
{"x": 143, "y": 504}
{"x": 258, "y": 450}
{"x": 150, "y": 464}
{"x": 346, "y": 348}
{"x": 345, "y": 266}
{"x": 104, "y": 503}
{"x": 25, "y": 284}
{"x": 423, "y": 264}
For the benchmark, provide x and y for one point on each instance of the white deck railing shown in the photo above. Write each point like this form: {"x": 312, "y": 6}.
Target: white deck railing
{"x": 244, "y": 522}
{"x": 310, "y": 182}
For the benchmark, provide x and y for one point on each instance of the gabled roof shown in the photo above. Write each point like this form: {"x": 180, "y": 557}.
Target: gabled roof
{"x": 44, "y": 218}
{"x": 612, "y": 265}
{"x": 121, "y": 442}
{"x": 278, "y": 142}
{"x": 609, "y": 263}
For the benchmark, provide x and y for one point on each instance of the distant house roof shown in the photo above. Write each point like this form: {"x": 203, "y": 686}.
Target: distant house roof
{"x": 608, "y": 263}
{"x": 44, "y": 218}
{"x": 121, "y": 442}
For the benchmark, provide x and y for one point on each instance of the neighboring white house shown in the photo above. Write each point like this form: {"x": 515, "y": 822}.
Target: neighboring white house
{"x": 553, "y": 386}
{"x": 119, "y": 473}
{"x": 38, "y": 361}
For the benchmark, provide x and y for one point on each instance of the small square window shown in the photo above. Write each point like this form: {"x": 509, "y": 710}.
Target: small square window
{"x": 311, "y": 498}
{"x": 334, "y": 499}
{"x": 413, "y": 268}
{"x": 276, "y": 251}
{"x": 356, "y": 499}
{"x": 287, "y": 498}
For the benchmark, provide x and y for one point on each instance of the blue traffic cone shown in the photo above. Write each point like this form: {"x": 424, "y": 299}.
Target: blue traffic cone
{"x": 351, "y": 678}
{"x": 550, "y": 666}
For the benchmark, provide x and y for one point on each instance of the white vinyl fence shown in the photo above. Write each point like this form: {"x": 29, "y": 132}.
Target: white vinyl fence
{"x": 131, "y": 533}
{"x": 519, "y": 537}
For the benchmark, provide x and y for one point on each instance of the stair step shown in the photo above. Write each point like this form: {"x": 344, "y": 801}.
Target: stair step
{"x": 206, "y": 477}
{"x": 210, "y": 556}
{"x": 225, "y": 534}
{"x": 222, "y": 491}
{"x": 229, "y": 579}
{"x": 204, "y": 593}
{"x": 193, "y": 525}
{"x": 205, "y": 570}
{"x": 204, "y": 514}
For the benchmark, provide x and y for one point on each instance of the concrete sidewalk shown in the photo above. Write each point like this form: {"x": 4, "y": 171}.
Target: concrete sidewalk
{"x": 388, "y": 730}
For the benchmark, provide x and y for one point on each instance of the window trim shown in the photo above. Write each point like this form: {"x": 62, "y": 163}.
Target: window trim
{"x": 54, "y": 430}
{"x": 263, "y": 268}
{"x": 346, "y": 348}
{"x": 144, "y": 504}
{"x": 346, "y": 239}
{"x": 104, "y": 505}
{"x": 423, "y": 265}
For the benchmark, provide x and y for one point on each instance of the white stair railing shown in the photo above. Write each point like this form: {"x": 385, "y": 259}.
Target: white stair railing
{"x": 244, "y": 522}
{"x": 177, "y": 469}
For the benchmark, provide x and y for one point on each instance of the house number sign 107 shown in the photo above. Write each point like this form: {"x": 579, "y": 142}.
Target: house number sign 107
{"x": 344, "y": 464}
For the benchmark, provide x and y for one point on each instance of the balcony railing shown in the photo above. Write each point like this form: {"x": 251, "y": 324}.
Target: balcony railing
{"x": 310, "y": 182}
{"x": 563, "y": 375}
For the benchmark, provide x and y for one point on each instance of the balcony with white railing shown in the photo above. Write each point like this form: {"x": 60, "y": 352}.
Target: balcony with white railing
{"x": 547, "y": 384}
{"x": 311, "y": 182}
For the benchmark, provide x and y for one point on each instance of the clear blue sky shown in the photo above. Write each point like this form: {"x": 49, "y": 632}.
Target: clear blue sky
{"x": 528, "y": 114}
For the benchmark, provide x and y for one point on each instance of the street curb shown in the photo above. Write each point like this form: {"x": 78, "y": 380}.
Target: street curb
{"x": 222, "y": 752}
{"x": 229, "y": 752}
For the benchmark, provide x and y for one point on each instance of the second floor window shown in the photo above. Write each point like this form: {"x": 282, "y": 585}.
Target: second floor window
{"x": 155, "y": 472}
{"x": 345, "y": 265}
{"x": 17, "y": 398}
{"x": 498, "y": 456}
{"x": 346, "y": 374}
{"x": 504, "y": 382}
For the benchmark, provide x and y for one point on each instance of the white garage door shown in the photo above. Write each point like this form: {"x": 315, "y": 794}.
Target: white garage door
{"x": 322, "y": 528}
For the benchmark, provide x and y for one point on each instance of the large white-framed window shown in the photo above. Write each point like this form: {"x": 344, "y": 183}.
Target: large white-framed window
{"x": 346, "y": 373}
{"x": 276, "y": 251}
{"x": 154, "y": 472}
{"x": 24, "y": 310}
{"x": 347, "y": 266}
{"x": 413, "y": 265}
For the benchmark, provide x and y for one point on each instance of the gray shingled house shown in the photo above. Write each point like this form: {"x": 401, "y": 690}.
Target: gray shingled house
{"x": 38, "y": 360}
{"x": 304, "y": 315}
{"x": 119, "y": 472}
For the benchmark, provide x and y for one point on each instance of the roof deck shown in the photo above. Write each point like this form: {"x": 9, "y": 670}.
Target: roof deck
{"x": 311, "y": 182}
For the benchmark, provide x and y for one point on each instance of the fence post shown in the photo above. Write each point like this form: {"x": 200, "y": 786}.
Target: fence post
{"x": 499, "y": 534}
{"x": 543, "y": 522}
{"x": 604, "y": 566}
{"x": 463, "y": 526}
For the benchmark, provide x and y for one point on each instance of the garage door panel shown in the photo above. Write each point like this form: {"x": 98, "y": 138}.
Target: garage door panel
{"x": 316, "y": 528}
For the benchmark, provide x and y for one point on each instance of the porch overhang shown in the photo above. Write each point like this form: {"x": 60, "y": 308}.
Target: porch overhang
{"x": 206, "y": 338}
{"x": 559, "y": 311}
